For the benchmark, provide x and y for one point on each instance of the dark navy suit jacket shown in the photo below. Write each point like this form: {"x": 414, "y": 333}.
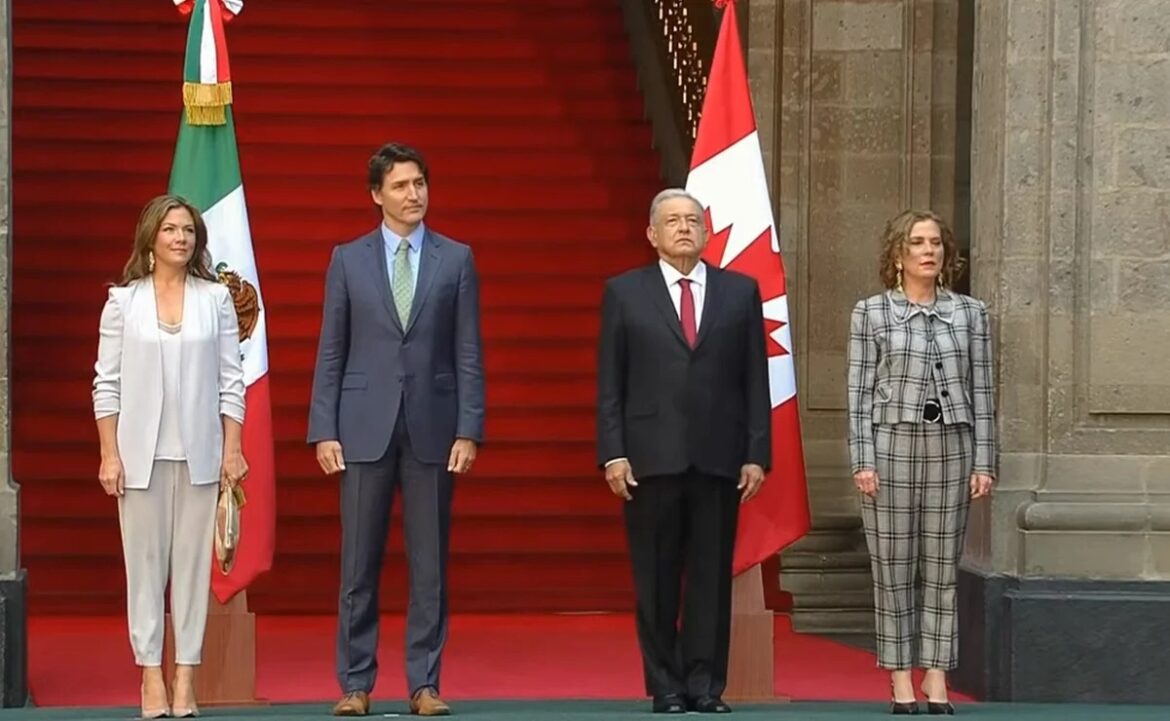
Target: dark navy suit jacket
{"x": 369, "y": 361}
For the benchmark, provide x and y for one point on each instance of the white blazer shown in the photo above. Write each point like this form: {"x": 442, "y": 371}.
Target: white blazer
{"x": 128, "y": 376}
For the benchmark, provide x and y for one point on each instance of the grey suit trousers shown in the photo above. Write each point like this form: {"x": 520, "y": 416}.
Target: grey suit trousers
{"x": 914, "y": 530}
{"x": 367, "y": 497}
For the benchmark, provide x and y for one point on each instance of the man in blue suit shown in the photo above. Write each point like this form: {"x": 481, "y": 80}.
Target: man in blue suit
{"x": 398, "y": 402}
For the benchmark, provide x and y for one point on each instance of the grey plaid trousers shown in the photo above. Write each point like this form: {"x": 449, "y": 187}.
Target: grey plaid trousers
{"x": 914, "y": 530}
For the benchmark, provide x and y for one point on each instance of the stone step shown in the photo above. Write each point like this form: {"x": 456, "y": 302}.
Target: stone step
{"x": 832, "y": 621}
{"x": 808, "y": 560}
{"x": 823, "y": 541}
{"x": 829, "y": 582}
{"x": 837, "y": 522}
{"x": 833, "y": 600}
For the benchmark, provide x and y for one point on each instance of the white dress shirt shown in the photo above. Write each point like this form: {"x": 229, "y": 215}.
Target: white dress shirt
{"x": 698, "y": 278}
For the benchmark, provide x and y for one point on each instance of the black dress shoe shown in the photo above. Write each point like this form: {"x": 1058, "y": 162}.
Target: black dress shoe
{"x": 904, "y": 708}
{"x": 935, "y": 708}
{"x": 710, "y": 704}
{"x": 669, "y": 703}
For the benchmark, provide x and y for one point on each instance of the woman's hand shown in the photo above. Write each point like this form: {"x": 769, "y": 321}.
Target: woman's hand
{"x": 112, "y": 476}
{"x": 866, "y": 482}
{"x": 981, "y": 484}
{"x": 233, "y": 470}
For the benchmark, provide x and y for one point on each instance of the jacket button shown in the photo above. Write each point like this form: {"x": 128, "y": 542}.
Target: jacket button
{"x": 938, "y": 365}
{"x": 946, "y": 394}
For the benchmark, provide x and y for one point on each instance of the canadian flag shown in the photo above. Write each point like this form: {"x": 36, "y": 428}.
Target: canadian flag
{"x": 727, "y": 176}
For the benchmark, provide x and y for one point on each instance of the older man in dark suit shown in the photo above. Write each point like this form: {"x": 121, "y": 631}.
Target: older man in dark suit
{"x": 398, "y": 402}
{"x": 683, "y": 433}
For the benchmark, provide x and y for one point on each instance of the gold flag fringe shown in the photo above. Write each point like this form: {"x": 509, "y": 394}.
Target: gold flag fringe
{"x": 205, "y": 102}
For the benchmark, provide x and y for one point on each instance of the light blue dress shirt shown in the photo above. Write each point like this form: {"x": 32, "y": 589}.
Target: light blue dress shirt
{"x": 390, "y": 241}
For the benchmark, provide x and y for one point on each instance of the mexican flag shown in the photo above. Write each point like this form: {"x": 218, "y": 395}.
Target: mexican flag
{"x": 727, "y": 176}
{"x": 206, "y": 172}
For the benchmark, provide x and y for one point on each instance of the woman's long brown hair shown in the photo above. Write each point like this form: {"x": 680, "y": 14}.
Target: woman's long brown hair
{"x": 149, "y": 223}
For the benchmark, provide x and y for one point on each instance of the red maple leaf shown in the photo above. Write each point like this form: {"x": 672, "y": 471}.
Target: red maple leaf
{"x": 758, "y": 261}
{"x": 716, "y": 242}
{"x": 773, "y": 346}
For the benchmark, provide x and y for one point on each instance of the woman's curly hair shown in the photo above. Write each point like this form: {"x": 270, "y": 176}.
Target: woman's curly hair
{"x": 897, "y": 234}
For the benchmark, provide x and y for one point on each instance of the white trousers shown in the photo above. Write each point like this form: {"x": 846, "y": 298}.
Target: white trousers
{"x": 168, "y": 531}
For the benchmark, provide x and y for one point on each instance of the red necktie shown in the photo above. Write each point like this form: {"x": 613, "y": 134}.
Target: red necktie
{"x": 686, "y": 311}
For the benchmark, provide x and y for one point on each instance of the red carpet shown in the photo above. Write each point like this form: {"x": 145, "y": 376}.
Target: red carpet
{"x": 87, "y": 662}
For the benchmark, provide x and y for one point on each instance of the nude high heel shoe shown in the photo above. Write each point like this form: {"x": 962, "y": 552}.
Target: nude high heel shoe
{"x": 190, "y": 711}
{"x": 161, "y": 712}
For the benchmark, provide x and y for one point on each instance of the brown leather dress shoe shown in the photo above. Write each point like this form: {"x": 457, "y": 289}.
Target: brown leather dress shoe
{"x": 427, "y": 703}
{"x": 354, "y": 703}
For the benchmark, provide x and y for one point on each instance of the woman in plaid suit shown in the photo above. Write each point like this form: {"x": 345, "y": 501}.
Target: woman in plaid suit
{"x": 922, "y": 441}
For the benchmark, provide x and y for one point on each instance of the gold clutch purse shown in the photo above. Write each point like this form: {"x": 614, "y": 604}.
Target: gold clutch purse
{"x": 227, "y": 527}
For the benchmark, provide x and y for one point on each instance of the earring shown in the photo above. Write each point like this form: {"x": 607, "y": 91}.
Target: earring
{"x": 899, "y": 286}
{"x": 150, "y": 262}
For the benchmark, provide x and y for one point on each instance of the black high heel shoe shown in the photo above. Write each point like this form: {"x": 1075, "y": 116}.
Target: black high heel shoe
{"x": 901, "y": 708}
{"x": 934, "y": 708}
{"x": 906, "y": 708}
{"x": 938, "y": 708}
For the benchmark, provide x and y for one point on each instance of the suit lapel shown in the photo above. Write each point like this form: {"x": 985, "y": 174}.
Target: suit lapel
{"x": 429, "y": 260}
{"x": 711, "y": 297}
{"x": 149, "y": 317}
{"x": 656, "y": 289}
{"x": 376, "y": 247}
{"x": 144, "y": 307}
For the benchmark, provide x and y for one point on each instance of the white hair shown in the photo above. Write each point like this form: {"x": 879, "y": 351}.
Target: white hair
{"x": 671, "y": 194}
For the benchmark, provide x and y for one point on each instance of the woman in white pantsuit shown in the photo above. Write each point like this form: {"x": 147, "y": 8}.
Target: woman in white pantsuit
{"x": 169, "y": 401}
{"x": 922, "y": 441}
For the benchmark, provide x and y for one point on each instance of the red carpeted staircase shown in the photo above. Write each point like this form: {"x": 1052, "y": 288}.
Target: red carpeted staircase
{"x": 540, "y": 159}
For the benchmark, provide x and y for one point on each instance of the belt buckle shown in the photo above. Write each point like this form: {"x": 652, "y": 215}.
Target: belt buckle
{"x": 932, "y": 411}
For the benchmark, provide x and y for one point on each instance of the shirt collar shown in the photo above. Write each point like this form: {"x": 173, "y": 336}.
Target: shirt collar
{"x": 904, "y": 310}
{"x": 415, "y": 237}
{"x": 670, "y": 274}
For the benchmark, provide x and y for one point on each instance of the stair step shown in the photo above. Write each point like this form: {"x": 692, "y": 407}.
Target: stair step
{"x": 316, "y": 574}
{"x": 840, "y": 600}
{"x": 830, "y": 621}
{"x": 349, "y": 137}
{"x": 555, "y": 18}
{"x": 797, "y": 561}
{"x": 325, "y": 163}
{"x": 802, "y": 583}
{"x": 284, "y": 43}
{"x": 824, "y": 543}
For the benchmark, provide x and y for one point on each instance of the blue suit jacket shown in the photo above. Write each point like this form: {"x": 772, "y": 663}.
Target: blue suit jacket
{"x": 369, "y": 362}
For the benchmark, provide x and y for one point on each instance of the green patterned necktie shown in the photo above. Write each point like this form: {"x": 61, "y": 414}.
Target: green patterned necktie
{"x": 402, "y": 285}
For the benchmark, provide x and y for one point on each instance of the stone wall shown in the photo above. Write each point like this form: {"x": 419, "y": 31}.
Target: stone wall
{"x": 1071, "y": 221}
{"x": 866, "y": 127}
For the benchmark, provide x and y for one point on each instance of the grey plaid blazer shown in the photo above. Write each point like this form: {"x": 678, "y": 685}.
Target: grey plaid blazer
{"x": 890, "y": 359}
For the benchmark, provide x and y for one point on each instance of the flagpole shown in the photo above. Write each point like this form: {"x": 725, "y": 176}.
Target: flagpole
{"x": 751, "y": 658}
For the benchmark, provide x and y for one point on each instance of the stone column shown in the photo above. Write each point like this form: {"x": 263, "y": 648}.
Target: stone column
{"x": 13, "y": 682}
{"x": 1066, "y": 593}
